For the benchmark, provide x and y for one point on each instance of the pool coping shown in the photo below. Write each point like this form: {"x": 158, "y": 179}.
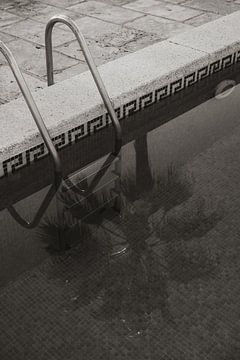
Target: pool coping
{"x": 73, "y": 109}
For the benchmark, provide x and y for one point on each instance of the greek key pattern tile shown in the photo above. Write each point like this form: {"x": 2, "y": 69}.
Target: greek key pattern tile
{"x": 72, "y": 136}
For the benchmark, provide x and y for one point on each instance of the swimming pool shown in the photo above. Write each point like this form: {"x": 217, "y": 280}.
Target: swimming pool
{"x": 160, "y": 280}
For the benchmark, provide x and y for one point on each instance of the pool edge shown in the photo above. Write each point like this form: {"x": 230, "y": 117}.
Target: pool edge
{"x": 134, "y": 82}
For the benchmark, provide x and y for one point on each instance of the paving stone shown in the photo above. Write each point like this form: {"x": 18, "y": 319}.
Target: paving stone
{"x": 202, "y": 19}
{"x": 116, "y": 2}
{"x": 222, "y": 7}
{"x": 101, "y": 53}
{"x": 115, "y": 14}
{"x": 6, "y": 3}
{"x": 62, "y": 3}
{"x": 21, "y": 29}
{"x": 163, "y": 9}
{"x": 139, "y": 43}
{"x": 219, "y": 41}
{"x": 6, "y": 38}
{"x": 9, "y": 88}
{"x": 140, "y": 31}
{"x": 156, "y": 25}
{"x": 31, "y": 58}
{"x": 6, "y": 18}
{"x": 70, "y": 72}
{"x": 37, "y": 33}
{"x": 25, "y": 8}
{"x": 123, "y": 37}
{"x": 176, "y": 1}
{"x": 88, "y": 27}
{"x": 49, "y": 11}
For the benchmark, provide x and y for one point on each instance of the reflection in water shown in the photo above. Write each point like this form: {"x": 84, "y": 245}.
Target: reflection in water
{"x": 162, "y": 223}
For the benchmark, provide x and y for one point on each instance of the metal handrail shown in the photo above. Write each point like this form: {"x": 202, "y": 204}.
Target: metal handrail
{"x": 46, "y": 137}
{"x": 94, "y": 71}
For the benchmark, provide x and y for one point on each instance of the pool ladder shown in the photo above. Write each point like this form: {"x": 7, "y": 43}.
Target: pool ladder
{"x": 58, "y": 179}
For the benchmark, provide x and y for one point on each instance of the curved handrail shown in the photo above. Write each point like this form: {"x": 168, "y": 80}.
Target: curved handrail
{"x": 89, "y": 59}
{"x": 47, "y": 139}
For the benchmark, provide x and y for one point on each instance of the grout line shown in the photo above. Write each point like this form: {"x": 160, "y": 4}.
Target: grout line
{"x": 160, "y": 16}
{"x": 130, "y": 21}
{"x": 205, "y": 11}
{"x": 61, "y": 7}
{"x": 36, "y": 43}
{"x": 193, "y": 17}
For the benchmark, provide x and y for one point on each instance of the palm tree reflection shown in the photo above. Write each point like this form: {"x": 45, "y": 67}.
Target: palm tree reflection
{"x": 138, "y": 286}
{"x": 162, "y": 245}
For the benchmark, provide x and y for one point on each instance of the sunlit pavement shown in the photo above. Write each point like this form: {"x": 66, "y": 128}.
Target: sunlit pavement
{"x": 113, "y": 28}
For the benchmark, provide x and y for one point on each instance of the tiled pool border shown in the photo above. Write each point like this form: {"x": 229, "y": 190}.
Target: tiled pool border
{"x": 77, "y": 133}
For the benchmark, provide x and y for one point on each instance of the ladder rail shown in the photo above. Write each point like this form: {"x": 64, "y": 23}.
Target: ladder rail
{"x": 91, "y": 64}
{"x": 45, "y": 135}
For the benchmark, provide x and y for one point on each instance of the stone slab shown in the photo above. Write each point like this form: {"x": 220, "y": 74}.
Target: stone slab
{"x": 36, "y": 34}
{"x": 115, "y": 14}
{"x": 155, "y": 25}
{"x": 6, "y": 38}
{"x": 214, "y": 36}
{"x": 202, "y": 19}
{"x": 70, "y": 72}
{"x": 116, "y": 2}
{"x": 9, "y": 89}
{"x": 222, "y": 7}
{"x": 88, "y": 26}
{"x": 163, "y": 9}
{"x": 100, "y": 52}
{"x": 31, "y": 58}
{"x": 122, "y": 37}
{"x": 143, "y": 41}
{"x": 46, "y": 13}
{"x": 6, "y": 18}
{"x": 62, "y": 3}
{"x": 24, "y": 8}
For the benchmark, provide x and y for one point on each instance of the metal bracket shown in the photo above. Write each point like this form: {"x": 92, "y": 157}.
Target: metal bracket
{"x": 45, "y": 134}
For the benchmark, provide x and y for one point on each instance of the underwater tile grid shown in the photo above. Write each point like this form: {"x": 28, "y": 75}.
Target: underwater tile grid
{"x": 174, "y": 295}
{"x": 72, "y": 136}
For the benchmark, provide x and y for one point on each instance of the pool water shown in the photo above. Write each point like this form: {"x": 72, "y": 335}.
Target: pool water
{"x": 157, "y": 278}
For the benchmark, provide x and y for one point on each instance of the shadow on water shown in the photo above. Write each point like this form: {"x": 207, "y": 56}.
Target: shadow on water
{"x": 163, "y": 224}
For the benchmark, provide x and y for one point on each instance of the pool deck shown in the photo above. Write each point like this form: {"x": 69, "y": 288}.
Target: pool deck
{"x": 73, "y": 109}
{"x": 123, "y": 27}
